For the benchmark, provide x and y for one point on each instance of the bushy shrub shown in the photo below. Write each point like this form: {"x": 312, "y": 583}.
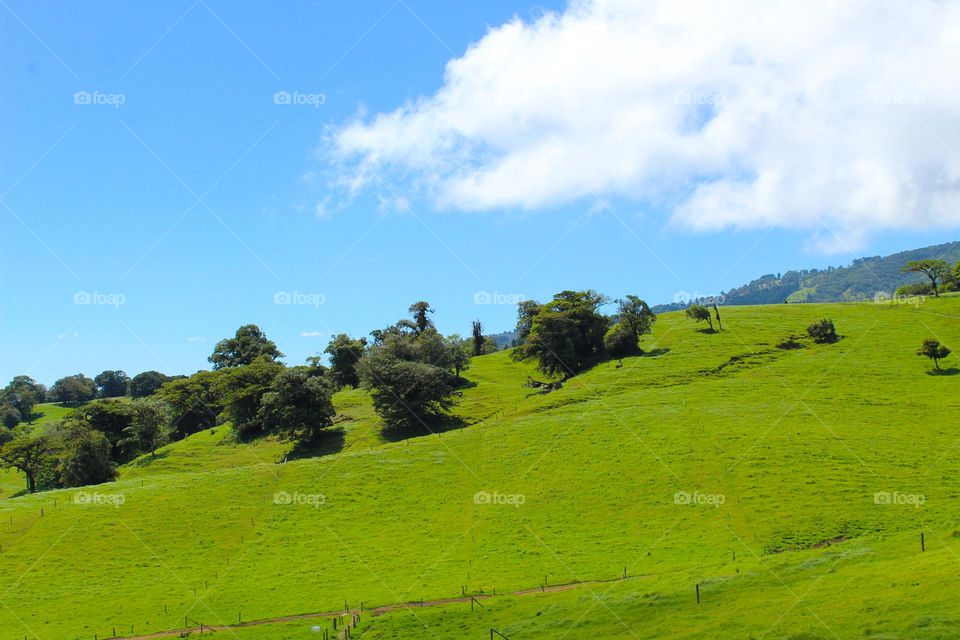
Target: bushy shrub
{"x": 823, "y": 331}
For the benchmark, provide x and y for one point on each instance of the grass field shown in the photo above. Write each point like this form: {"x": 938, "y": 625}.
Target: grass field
{"x": 717, "y": 459}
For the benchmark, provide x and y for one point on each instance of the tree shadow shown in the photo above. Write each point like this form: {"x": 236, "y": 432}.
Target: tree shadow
{"x": 707, "y": 331}
{"x": 430, "y": 426}
{"x": 463, "y": 383}
{"x": 952, "y": 371}
{"x": 329, "y": 442}
{"x": 654, "y": 353}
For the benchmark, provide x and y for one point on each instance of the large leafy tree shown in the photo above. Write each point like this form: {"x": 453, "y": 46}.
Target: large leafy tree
{"x": 457, "y": 354}
{"x": 526, "y": 312}
{"x": 249, "y": 343}
{"x": 73, "y": 390}
{"x": 241, "y": 389}
{"x": 298, "y": 405}
{"x": 194, "y": 404}
{"x": 23, "y": 393}
{"x": 935, "y": 270}
{"x": 700, "y": 313}
{"x": 112, "y": 418}
{"x": 150, "y": 428}
{"x": 147, "y": 383}
{"x": 112, "y": 384}
{"x": 30, "y": 455}
{"x": 634, "y": 319}
{"x": 85, "y": 457}
{"x": 566, "y": 335}
{"x": 345, "y": 353}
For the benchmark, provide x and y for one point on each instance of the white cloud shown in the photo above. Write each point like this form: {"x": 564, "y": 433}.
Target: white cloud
{"x": 842, "y": 114}
{"x": 310, "y": 334}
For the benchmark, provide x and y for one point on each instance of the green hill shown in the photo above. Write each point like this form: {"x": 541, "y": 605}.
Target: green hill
{"x": 792, "y": 485}
{"x": 862, "y": 280}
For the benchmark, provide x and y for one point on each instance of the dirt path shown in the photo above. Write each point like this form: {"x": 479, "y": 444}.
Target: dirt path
{"x": 375, "y": 611}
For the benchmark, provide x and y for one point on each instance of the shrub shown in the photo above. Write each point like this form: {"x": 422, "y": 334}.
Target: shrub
{"x": 823, "y": 331}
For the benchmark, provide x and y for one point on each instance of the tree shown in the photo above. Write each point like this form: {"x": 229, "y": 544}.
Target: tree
{"x": 699, "y": 313}
{"x": 240, "y": 390}
{"x": 112, "y": 418}
{"x": 526, "y": 312}
{"x": 478, "y": 338}
{"x": 932, "y": 349}
{"x": 247, "y": 345}
{"x": 567, "y": 333}
{"x": 85, "y": 457}
{"x": 9, "y": 416}
{"x": 73, "y": 390}
{"x": 193, "y": 403}
{"x": 112, "y": 384}
{"x": 935, "y": 270}
{"x": 150, "y": 428}
{"x": 28, "y": 454}
{"x": 147, "y": 383}
{"x": 458, "y": 357}
{"x": 23, "y": 393}
{"x": 406, "y": 393}
{"x": 421, "y": 322}
{"x": 345, "y": 353}
{"x": 298, "y": 405}
{"x": 634, "y": 319}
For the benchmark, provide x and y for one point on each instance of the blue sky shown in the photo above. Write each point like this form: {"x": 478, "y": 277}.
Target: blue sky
{"x": 155, "y": 196}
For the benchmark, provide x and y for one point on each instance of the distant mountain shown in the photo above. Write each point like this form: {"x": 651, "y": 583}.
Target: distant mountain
{"x": 504, "y": 339}
{"x": 862, "y": 280}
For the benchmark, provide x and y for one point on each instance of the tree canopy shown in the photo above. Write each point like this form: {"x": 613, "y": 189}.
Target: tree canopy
{"x": 249, "y": 343}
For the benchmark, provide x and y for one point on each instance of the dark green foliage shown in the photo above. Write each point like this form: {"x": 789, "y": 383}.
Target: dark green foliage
{"x": 634, "y": 319}
{"x": 823, "y": 331}
{"x": 22, "y": 394}
{"x": 84, "y": 458}
{"x": 932, "y": 349}
{"x": 240, "y": 390}
{"x": 914, "y": 289}
{"x": 112, "y": 384}
{"x": 247, "y": 345}
{"x": 934, "y": 269}
{"x": 150, "y": 427}
{"x": 526, "y": 312}
{"x": 73, "y": 390}
{"x": 345, "y": 353}
{"x": 9, "y": 416}
{"x": 193, "y": 404}
{"x": 421, "y": 321}
{"x": 298, "y": 405}
{"x": 457, "y": 354}
{"x": 566, "y": 335}
{"x": 112, "y": 418}
{"x": 700, "y": 313}
{"x": 147, "y": 383}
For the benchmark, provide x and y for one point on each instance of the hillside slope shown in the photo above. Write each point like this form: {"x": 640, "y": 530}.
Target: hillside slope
{"x": 717, "y": 459}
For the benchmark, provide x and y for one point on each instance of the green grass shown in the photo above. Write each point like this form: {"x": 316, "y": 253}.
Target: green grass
{"x": 12, "y": 481}
{"x": 796, "y": 441}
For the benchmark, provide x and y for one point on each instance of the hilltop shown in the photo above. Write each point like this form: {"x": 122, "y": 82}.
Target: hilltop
{"x": 862, "y": 280}
{"x": 788, "y": 483}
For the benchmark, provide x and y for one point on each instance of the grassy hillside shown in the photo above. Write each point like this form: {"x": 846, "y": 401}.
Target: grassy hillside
{"x": 781, "y": 453}
{"x": 12, "y": 481}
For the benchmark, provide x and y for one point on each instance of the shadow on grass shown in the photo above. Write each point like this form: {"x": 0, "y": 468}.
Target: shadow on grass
{"x": 329, "y": 442}
{"x": 952, "y": 371}
{"x": 463, "y": 383}
{"x": 707, "y": 331}
{"x": 433, "y": 426}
